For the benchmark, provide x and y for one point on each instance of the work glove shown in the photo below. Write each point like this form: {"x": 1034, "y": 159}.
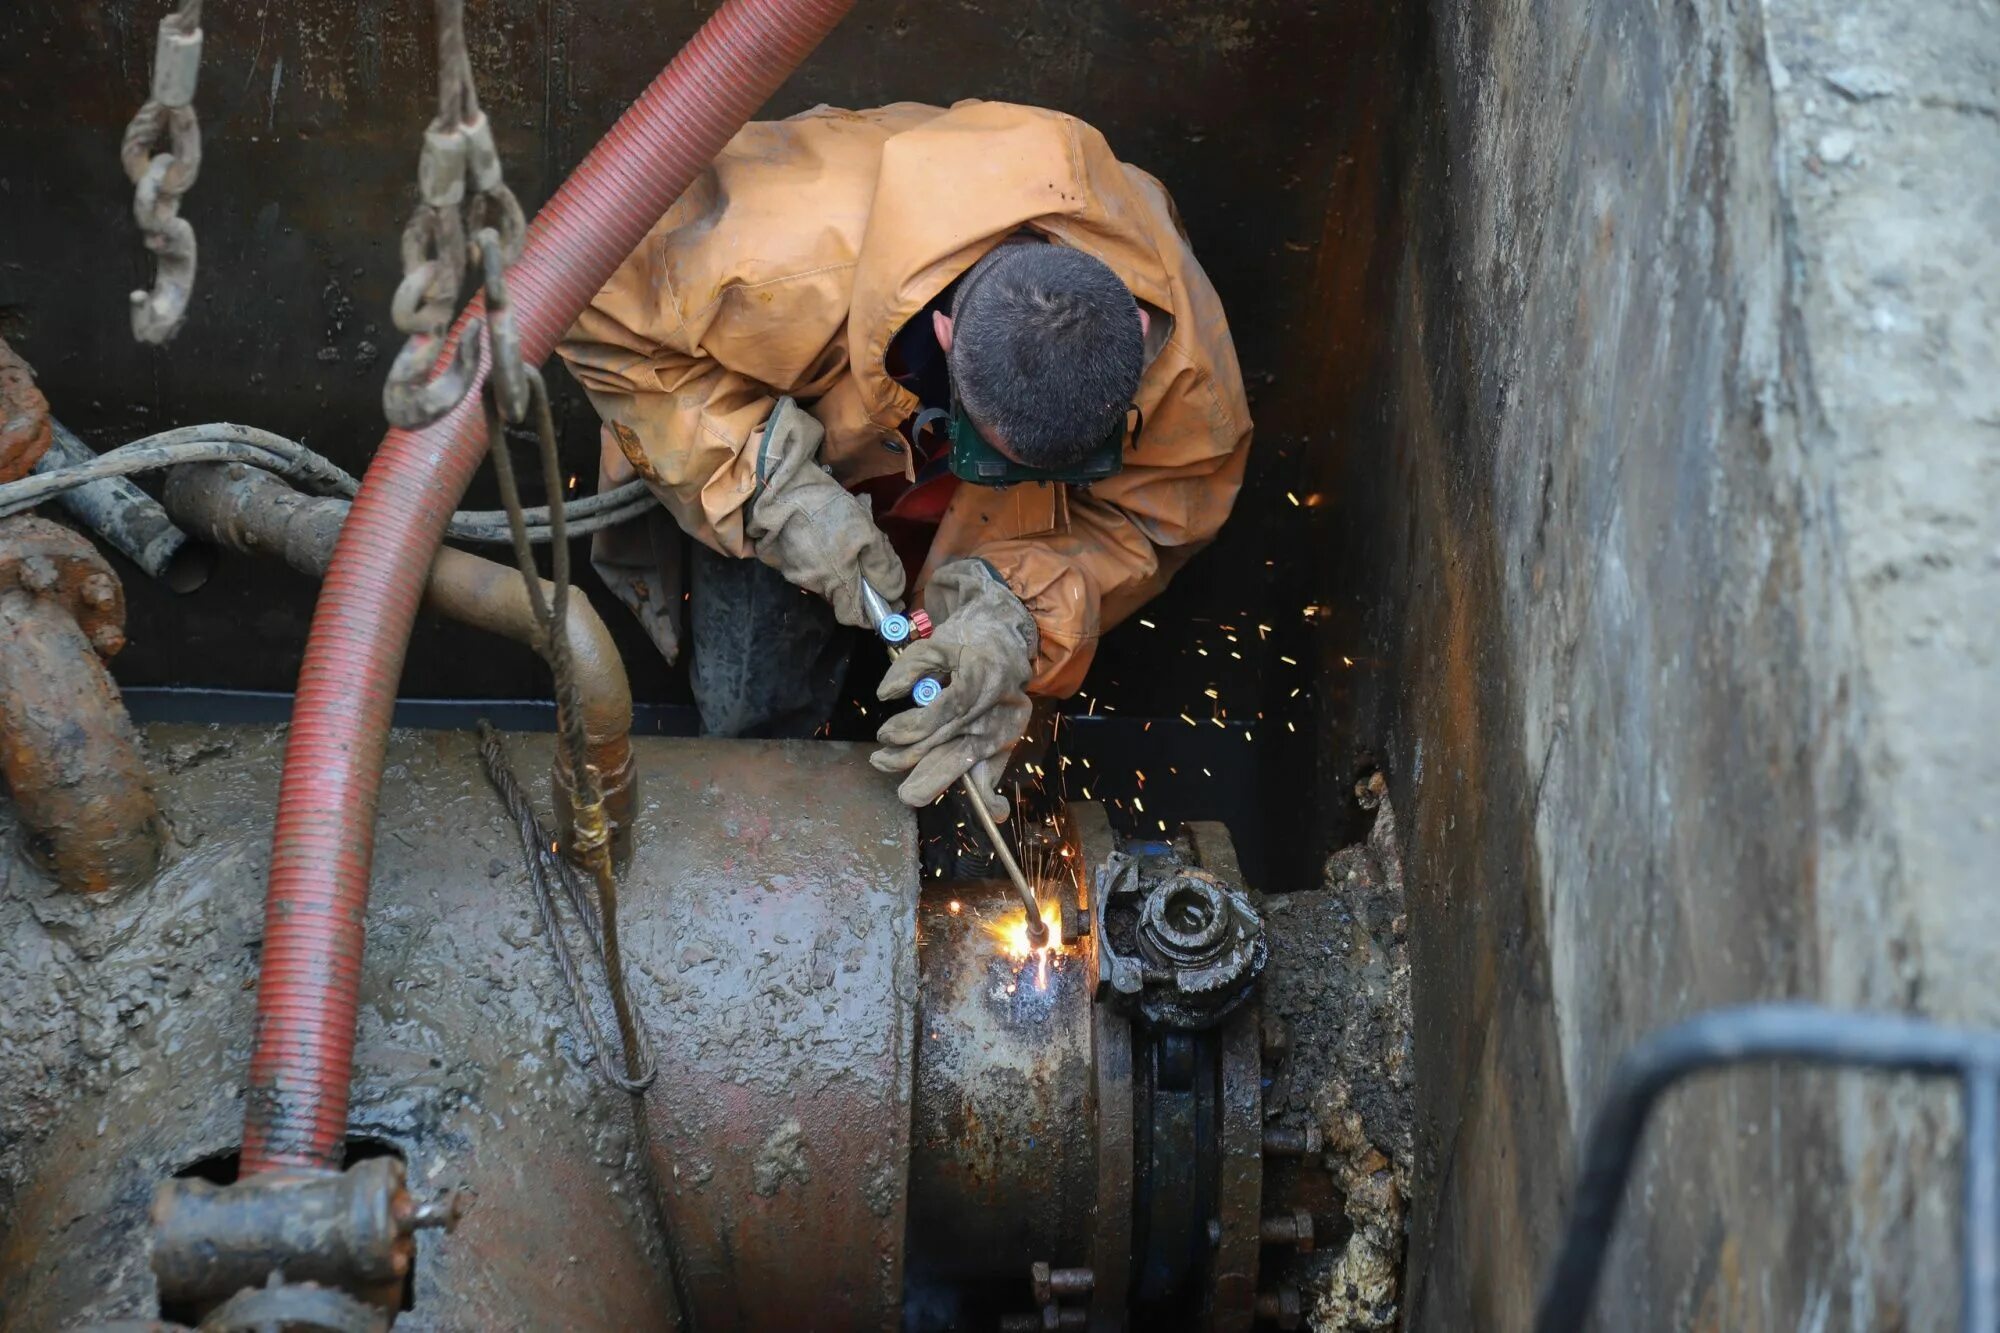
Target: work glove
{"x": 806, "y": 525}
{"x": 984, "y": 649}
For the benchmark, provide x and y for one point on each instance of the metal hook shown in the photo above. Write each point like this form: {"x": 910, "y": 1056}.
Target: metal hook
{"x": 412, "y": 398}
{"x": 508, "y": 377}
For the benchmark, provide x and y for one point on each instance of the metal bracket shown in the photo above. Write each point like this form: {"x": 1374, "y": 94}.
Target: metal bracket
{"x": 1792, "y": 1034}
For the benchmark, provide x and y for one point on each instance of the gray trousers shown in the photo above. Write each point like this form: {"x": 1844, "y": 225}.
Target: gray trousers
{"x": 768, "y": 660}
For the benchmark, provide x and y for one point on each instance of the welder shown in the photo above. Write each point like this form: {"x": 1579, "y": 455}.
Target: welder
{"x": 966, "y": 355}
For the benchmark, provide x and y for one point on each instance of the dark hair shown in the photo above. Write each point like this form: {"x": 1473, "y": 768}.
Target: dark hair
{"x": 1046, "y": 351}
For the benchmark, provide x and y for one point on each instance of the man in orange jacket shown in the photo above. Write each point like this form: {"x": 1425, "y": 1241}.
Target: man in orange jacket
{"x": 966, "y": 354}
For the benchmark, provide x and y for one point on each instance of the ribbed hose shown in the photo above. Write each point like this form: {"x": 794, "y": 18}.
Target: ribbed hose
{"x": 295, "y": 1112}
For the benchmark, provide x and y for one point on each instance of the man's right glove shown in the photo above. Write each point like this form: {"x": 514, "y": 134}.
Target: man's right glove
{"x": 985, "y": 643}
{"x": 806, "y": 525}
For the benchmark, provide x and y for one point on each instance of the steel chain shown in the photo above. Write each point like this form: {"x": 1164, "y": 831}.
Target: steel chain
{"x": 159, "y": 178}
{"x": 459, "y": 152}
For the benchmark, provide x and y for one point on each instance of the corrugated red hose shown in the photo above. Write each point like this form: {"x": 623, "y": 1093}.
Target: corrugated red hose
{"x": 295, "y": 1112}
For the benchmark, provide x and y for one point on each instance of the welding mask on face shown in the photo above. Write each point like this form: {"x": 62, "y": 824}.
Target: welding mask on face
{"x": 975, "y": 460}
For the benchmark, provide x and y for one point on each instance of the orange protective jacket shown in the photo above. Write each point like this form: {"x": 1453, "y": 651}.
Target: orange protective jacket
{"x": 791, "y": 262}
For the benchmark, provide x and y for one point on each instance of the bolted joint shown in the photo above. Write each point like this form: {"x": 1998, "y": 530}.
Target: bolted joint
{"x": 99, "y": 591}
{"x": 351, "y": 1230}
{"x": 38, "y": 574}
{"x": 1294, "y": 1228}
{"x": 1274, "y": 1036}
{"x": 1282, "y": 1306}
{"x": 1058, "y": 1284}
{"x": 108, "y": 640}
{"x": 1281, "y": 1141}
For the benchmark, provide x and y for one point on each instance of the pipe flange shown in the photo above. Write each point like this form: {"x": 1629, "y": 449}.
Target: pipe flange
{"x": 48, "y": 560}
{"x": 1181, "y": 947}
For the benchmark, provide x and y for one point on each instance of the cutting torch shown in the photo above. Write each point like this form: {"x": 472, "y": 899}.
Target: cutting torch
{"x": 898, "y": 631}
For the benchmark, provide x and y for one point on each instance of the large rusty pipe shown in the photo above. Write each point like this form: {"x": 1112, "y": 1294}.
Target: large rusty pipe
{"x": 68, "y": 751}
{"x": 252, "y": 511}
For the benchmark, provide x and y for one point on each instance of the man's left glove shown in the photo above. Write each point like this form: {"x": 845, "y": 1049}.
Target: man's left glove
{"x": 985, "y": 644}
{"x": 805, "y": 525}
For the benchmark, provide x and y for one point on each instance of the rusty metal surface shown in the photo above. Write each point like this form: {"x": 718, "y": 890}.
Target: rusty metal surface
{"x": 1239, "y": 1189}
{"x": 355, "y": 1230}
{"x": 24, "y": 417}
{"x": 1232, "y": 1286}
{"x": 1003, "y": 1168}
{"x": 129, "y": 520}
{"x": 772, "y": 930}
{"x": 769, "y": 921}
{"x": 124, "y": 1027}
{"x": 1111, "y": 1113}
{"x": 247, "y": 510}
{"x": 68, "y": 752}
{"x": 283, "y": 1307}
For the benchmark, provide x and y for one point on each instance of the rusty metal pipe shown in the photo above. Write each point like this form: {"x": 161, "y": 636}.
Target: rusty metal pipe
{"x": 355, "y": 1230}
{"x": 250, "y": 510}
{"x": 68, "y": 750}
{"x": 127, "y": 518}
{"x": 24, "y": 417}
{"x": 1003, "y": 1163}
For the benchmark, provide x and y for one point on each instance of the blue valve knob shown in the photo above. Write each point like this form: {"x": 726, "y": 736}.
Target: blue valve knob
{"x": 925, "y": 692}
{"x": 894, "y": 628}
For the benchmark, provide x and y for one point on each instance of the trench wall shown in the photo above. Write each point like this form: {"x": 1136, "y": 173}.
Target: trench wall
{"x": 1663, "y": 576}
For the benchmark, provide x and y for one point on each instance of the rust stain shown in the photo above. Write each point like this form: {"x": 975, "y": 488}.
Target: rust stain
{"x": 24, "y": 417}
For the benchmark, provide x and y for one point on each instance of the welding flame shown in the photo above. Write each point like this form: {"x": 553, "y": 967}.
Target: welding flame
{"x": 1010, "y": 938}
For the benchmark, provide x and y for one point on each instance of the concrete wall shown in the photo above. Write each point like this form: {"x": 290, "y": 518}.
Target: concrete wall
{"x": 1665, "y": 592}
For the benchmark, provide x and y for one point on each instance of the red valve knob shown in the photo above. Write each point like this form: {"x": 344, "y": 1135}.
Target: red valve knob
{"x": 920, "y": 624}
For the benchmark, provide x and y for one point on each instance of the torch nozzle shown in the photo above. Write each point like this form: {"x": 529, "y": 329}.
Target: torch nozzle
{"x": 1038, "y": 929}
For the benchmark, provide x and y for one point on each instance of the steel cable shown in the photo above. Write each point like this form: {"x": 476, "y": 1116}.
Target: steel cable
{"x": 537, "y": 852}
{"x": 225, "y": 442}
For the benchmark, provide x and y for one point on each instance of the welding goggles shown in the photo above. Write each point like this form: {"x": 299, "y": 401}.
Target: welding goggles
{"x": 973, "y": 459}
